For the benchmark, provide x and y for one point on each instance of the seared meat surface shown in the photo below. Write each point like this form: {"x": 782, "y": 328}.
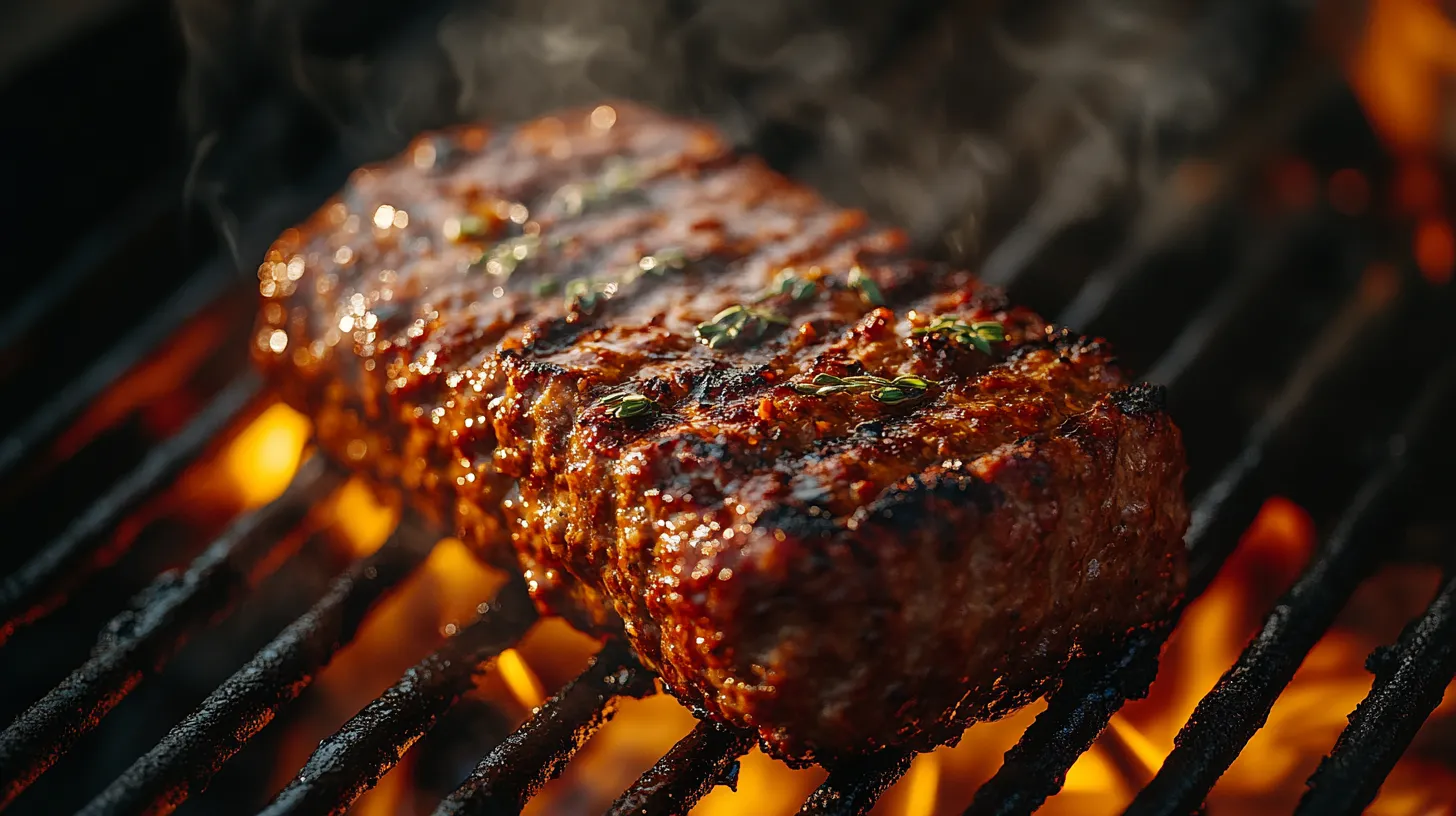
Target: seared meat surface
{"x": 830, "y": 492}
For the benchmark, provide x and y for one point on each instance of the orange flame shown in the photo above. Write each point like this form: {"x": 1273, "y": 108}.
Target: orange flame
{"x": 1268, "y": 776}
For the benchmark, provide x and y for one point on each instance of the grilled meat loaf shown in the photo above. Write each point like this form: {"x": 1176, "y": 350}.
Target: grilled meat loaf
{"x": 830, "y": 492}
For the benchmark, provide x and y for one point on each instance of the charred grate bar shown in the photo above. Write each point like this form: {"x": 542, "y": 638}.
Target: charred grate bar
{"x": 188, "y": 757}
{"x": 855, "y": 788}
{"x": 353, "y": 759}
{"x": 143, "y": 638}
{"x": 1229, "y": 715}
{"x": 1410, "y": 680}
{"x": 536, "y": 752}
{"x": 705, "y": 758}
{"x": 41, "y": 584}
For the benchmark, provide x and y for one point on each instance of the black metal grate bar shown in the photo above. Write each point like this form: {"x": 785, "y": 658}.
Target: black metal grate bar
{"x": 188, "y": 757}
{"x": 28, "y": 437}
{"x": 511, "y": 774}
{"x": 1098, "y": 685}
{"x": 1200, "y": 336}
{"x": 149, "y": 206}
{"x": 354, "y": 758}
{"x": 706, "y": 757}
{"x": 140, "y": 640}
{"x": 1226, "y": 719}
{"x": 40, "y": 585}
{"x": 1410, "y": 680}
{"x": 853, "y": 789}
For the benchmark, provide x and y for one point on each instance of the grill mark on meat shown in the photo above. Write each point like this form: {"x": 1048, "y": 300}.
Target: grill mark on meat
{"x": 838, "y": 574}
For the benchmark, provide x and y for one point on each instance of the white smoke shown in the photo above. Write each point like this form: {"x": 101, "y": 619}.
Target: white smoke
{"x": 941, "y": 117}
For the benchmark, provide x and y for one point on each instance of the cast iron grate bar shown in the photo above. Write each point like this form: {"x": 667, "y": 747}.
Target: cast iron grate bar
{"x": 210, "y": 282}
{"x": 1098, "y": 685}
{"x": 1410, "y": 680}
{"x": 1227, "y": 717}
{"x": 536, "y": 752}
{"x": 854, "y": 788}
{"x": 188, "y": 757}
{"x": 705, "y": 758}
{"x": 30, "y": 435}
{"x": 40, "y": 585}
{"x": 140, "y": 640}
{"x": 354, "y": 758}
{"x": 88, "y": 259}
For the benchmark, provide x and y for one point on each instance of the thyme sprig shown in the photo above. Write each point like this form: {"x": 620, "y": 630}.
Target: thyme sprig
{"x": 618, "y": 178}
{"x": 629, "y": 404}
{"x": 869, "y": 291}
{"x": 502, "y": 259}
{"x": 787, "y": 282}
{"x": 903, "y": 388}
{"x": 585, "y": 293}
{"x": 978, "y": 335}
{"x": 748, "y": 323}
{"x": 737, "y": 323}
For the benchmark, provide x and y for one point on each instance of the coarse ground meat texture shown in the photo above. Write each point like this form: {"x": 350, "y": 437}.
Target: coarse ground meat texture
{"x": 513, "y": 327}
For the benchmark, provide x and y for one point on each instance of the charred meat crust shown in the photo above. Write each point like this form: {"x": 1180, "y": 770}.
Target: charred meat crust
{"x": 840, "y": 574}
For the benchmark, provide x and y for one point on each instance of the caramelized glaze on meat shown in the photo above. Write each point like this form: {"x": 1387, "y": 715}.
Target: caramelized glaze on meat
{"x": 504, "y": 324}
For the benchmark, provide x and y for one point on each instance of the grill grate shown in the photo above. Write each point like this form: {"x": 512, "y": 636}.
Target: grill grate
{"x": 1410, "y": 676}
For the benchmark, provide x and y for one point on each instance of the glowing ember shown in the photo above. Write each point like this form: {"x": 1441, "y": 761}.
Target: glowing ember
{"x": 361, "y": 518}
{"x": 262, "y": 459}
{"x": 922, "y": 783}
{"x": 523, "y": 683}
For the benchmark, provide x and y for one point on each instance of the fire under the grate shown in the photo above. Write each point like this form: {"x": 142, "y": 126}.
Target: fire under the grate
{"x": 341, "y": 662}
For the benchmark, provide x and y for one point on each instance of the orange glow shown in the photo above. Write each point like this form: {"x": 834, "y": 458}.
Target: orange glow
{"x": 523, "y": 683}
{"x": 151, "y": 388}
{"x": 390, "y": 797}
{"x": 1397, "y": 69}
{"x": 262, "y": 459}
{"x": 1435, "y": 249}
{"x": 923, "y": 786}
{"x": 363, "y": 520}
{"x": 1267, "y": 778}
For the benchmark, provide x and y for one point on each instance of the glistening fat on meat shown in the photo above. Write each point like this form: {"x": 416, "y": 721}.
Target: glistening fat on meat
{"x": 831, "y": 492}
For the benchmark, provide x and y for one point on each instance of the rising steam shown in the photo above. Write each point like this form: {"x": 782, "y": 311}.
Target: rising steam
{"x": 946, "y": 118}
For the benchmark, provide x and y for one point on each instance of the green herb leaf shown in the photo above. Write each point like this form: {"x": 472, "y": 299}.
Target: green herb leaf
{"x": 629, "y": 404}
{"x": 617, "y": 179}
{"x": 789, "y": 283}
{"x": 502, "y": 259}
{"x": 868, "y": 289}
{"x": 890, "y": 392}
{"x": 979, "y": 335}
{"x": 737, "y": 323}
{"x": 586, "y": 293}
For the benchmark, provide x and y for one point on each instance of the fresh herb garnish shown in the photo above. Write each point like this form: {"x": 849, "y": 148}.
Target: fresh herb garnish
{"x": 618, "y": 178}
{"x": 586, "y": 293}
{"x": 904, "y": 388}
{"x": 629, "y": 404}
{"x": 471, "y": 226}
{"x": 789, "y": 283}
{"x": 979, "y": 335}
{"x": 503, "y": 258}
{"x": 737, "y": 323}
{"x": 868, "y": 289}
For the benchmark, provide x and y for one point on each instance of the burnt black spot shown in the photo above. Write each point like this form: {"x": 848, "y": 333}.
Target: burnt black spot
{"x": 874, "y": 429}
{"x": 1061, "y": 340}
{"x": 804, "y": 523}
{"x": 911, "y": 504}
{"x": 724, "y": 383}
{"x": 553, "y": 335}
{"x": 1142, "y": 399}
